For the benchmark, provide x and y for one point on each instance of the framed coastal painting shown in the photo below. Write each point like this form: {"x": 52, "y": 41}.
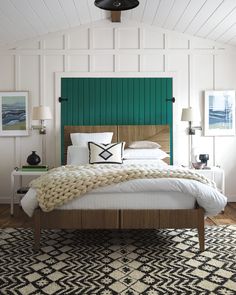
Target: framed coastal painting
{"x": 14, "y": 113}
{"x": 219, "y": 115}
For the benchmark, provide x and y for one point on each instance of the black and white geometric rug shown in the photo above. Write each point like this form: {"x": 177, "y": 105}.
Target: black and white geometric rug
{"x": 149, "y": 262}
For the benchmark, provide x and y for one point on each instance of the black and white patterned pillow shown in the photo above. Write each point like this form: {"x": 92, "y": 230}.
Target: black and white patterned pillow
{"x": 106, "y": 153}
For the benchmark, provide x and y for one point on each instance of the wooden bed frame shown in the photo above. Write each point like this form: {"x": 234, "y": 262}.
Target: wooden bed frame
{"x": 121, "y": 219}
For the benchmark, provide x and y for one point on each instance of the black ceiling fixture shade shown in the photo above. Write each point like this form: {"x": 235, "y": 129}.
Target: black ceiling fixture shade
{"x": 116, "y": 5}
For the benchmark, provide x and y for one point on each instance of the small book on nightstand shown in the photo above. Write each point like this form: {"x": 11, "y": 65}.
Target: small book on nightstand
{"x": 34, "y": 168}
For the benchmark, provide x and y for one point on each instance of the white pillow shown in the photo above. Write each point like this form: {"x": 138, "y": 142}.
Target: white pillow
{"x": 106, "y": 153}
{"x": 82, "y": 139}
{"x": 144, "y": 144}
{"x": 145, "y": 154}
{"x": 157, "y": 162}
{"x": 77, "y": 155}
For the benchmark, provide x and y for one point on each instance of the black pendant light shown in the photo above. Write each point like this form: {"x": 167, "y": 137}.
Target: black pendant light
{"x": 116, "y": 5}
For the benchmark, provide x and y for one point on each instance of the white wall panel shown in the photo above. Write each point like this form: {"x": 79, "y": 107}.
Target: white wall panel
{"x": 30, "y": 78}
{"x": 79, "y": 63}
{"x": 30, "y": 45}
{"x": 7, "y": 144}
{"x": 203, "y": 80}
{"x": 53, "y": 63}
{"x": 103, "y": 38}
{"x": 54, "y": 43}
{"x": 79, "y": 39}
{"x": 7, "y": 72}
{"x": 127, "y": 48}
{"x": 103, "y": 63}
{"x": 128, "y": 38}
{"x": 153, "y": 63}
{"x": 225, "y": 155}
{"x": 179, "y": 63}
{"x": 128, "y": 63}
{"x": 226, "y": 158}
{"x": 177, "y": 41}
{"x": 225, "y": 75}
{"x": 153, "y": 39}
{"x": 197, "y": 43}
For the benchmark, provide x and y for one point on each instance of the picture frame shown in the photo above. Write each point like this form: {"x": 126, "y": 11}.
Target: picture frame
{"x": 219, "y": 113}
{"x": 14, "y": 113}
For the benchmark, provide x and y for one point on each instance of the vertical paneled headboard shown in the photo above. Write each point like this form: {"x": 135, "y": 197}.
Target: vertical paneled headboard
{"x": 116, "y": 101}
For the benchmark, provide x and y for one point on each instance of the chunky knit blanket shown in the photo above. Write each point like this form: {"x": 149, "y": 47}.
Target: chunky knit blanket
{"x": 64, "y": 183}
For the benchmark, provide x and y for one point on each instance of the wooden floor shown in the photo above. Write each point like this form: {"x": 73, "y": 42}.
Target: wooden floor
{"x": 20, "y": 219}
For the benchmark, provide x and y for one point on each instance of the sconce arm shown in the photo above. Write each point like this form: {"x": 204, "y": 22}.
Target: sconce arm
{"x": 192, "y": 129}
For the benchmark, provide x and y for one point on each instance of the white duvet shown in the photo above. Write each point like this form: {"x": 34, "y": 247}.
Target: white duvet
{"x": 207, "y": 197}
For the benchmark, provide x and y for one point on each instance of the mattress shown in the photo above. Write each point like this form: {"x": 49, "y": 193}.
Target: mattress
{"x": 137, "y": 200}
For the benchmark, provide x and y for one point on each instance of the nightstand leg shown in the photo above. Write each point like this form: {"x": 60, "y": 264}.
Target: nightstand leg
{"x": 12, "y": 195}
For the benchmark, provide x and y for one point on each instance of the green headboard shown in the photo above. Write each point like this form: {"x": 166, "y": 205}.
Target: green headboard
{"x": 116, "y": 101}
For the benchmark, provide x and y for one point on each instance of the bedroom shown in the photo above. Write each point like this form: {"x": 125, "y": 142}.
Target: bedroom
{"x": 44, "y": 41}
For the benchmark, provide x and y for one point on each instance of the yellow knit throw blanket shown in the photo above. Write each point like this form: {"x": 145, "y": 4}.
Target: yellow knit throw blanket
{"x": 64, "y": 183}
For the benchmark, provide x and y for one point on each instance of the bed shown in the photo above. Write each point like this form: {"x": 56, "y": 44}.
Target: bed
{"x": 136, "y": 209}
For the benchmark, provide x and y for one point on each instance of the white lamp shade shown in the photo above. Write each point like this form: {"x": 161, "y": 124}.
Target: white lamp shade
{"x": 41, "y": 113}
{"x": 187, "y": 114}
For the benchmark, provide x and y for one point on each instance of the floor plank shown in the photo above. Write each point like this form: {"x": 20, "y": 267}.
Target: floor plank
{"x": 227, "y": 217}
{"x": 20, "y": 219}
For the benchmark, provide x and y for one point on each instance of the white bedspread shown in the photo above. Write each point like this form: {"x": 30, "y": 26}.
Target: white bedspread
{"x": 207, "y": 197}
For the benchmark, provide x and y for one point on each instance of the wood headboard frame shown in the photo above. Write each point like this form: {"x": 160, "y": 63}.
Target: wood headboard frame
{"x": 127, "y": 133}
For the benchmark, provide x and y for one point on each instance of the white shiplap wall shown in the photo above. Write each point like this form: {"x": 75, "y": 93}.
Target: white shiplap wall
{"x": 105, "y": 47}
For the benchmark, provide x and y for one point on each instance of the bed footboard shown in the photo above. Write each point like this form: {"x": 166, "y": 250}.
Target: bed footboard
{"x": 119, "y": 219}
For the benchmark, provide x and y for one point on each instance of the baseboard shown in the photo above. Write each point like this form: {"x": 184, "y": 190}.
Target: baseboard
{"x": 231, "y": 198}
{"x": 7, "y": 201}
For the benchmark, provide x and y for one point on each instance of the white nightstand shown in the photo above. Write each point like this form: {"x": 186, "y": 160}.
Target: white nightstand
{"x": 20, "y": 174}
{"x": 216, "y": 174}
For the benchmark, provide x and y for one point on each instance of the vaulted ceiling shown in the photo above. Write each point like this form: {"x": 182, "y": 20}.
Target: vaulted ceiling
{"x": 27, "y": 19}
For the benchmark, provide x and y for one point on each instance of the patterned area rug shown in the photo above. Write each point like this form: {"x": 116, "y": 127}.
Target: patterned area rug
{"x": 118, "y": 262}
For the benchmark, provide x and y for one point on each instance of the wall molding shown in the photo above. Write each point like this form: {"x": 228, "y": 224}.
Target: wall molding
{"x": 204, "y": 51}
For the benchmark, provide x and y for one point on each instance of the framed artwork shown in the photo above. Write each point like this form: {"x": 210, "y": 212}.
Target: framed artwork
{"x": 14, "y": 113}
{"x": 219, "y": 115}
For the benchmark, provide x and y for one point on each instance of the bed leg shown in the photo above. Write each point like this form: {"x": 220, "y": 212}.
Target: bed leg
{"x": 201, "y": 229}
{"x": 37, "y": 229}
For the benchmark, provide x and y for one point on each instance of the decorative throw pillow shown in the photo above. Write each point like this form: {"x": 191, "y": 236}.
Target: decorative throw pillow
{"x": 144, "y": 144}
{"x": 106, "y": 153}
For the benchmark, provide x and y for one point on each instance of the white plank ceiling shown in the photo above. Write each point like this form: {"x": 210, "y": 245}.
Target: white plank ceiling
{"x": 27, "y": 19}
